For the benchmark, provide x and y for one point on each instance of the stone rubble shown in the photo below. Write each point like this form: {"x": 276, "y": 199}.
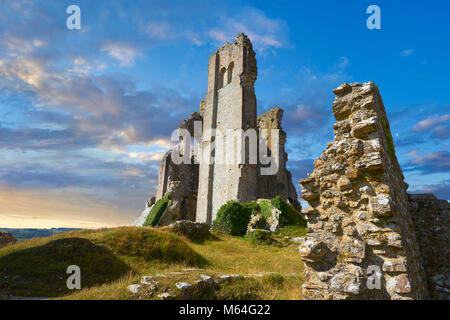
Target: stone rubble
{"x": 134, "y": 288}
{"x": 166, "y": 296}
{"x": 150, "y": 287}
{"x": 191, "y": 230}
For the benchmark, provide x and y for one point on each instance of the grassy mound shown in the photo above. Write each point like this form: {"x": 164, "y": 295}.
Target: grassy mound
{"x": 157, "y": 211}
{"x": 41, "y": 270}
{"x": 225, "y": 255}
{"x": 37, "y": 267}
{"x": 151, "y": 244}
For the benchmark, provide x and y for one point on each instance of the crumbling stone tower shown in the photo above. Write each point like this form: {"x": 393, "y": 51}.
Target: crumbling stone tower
{"x": 359, "y": 225}
{"x": 230, "y": 103}
{"x": 198, "y": 191}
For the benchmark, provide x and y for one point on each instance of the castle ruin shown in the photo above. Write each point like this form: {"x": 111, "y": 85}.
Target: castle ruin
{"x": 367, "y": 238}
{"x": 199, "y": 188}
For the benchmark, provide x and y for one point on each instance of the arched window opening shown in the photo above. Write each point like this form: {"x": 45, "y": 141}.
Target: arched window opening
{"x": 221, "y": 78}
{"x": 230, "y": 72}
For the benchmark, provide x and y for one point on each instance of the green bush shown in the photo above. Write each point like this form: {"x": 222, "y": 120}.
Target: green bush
{"x": 289, "y": 216}
{"x": 265, "y": 208}
{"x": 157, "y": 211}
{"x": 253, "y": 206}
{"x": 233, "y": 218}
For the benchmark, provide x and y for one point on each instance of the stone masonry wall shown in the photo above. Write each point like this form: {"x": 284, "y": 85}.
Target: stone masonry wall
{"x": 280, "y": 184}
{"x": 230, "y": 103}
{"x": 432, "y": 225}
{"x": 359, "y": 220}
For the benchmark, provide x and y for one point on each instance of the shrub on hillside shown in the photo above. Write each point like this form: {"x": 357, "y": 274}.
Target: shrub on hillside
{"x": 253, "y": 206}
{"x": 157, "y": 211}
{"x": 233, "y": 218}
{"x": 289, "y": 216}
{"x": 265, "y": 208}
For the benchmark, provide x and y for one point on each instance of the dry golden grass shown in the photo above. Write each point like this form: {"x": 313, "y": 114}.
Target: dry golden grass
{"x": 149, "y": 251}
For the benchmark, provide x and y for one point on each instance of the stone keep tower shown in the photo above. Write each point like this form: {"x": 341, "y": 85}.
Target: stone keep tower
{"x": 230, "y": 103}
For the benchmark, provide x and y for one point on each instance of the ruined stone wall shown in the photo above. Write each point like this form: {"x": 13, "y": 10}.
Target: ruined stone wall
{"x": 180, "y": 180}
{"x": 230, "y": 103}
{"x": 280, "y": 184}
{"x": 432, "y": 225}
{"x": 359, "y": 219}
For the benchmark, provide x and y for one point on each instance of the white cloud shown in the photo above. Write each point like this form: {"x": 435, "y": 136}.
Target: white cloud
{"x": 343, "y": 63}
{"x": 159, "y": 30}
{"x": 406, "y": 52}
{"x": 122, "y": 52}
{"x": 265, "y": 33}
{"x": 431, "y": 122}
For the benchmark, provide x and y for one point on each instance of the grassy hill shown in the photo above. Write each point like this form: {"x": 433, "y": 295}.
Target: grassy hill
{"x": 112, "y": 259}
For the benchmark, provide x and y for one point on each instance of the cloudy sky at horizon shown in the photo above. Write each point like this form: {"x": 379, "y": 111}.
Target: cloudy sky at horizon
{"x": 86, "y": 115}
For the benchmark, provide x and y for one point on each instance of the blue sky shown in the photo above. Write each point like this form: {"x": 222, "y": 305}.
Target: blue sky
{"x": 86, "y": 115}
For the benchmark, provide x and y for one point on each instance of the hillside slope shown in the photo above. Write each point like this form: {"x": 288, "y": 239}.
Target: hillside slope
{"x": 112, "y": 259}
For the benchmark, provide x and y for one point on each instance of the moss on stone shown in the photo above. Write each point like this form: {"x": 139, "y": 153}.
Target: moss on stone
{"x": 389, "y": 140}
{"x": 289, "y": 216}
{"x": 157, "y": 211}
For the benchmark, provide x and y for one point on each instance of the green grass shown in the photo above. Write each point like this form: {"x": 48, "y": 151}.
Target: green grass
{"x": 291, "y": 231}
{"x": 269, "y": 287}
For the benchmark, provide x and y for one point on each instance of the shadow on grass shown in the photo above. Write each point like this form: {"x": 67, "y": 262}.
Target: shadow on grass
{"x": 210, "y": 237}
{"x": 41, "y": 271}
